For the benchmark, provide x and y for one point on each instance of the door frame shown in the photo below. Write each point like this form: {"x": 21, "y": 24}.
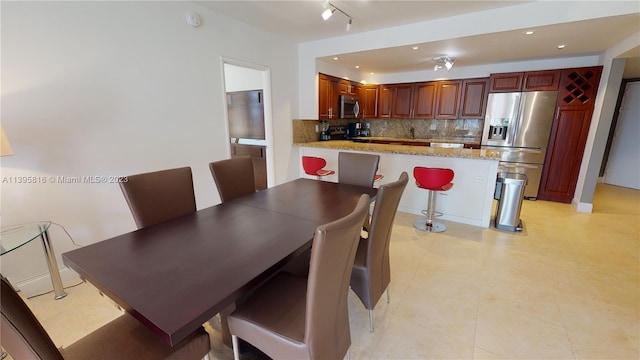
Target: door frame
{"x": 268, "y": 109}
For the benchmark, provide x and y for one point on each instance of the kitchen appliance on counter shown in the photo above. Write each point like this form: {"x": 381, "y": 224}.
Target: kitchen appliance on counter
{"x": 349, "y": 107}
{"x": 517, "y": 125}
{"x": 338, "y": 132}
{"x": 324, "y": 131}
{"x": 358, "y": 129}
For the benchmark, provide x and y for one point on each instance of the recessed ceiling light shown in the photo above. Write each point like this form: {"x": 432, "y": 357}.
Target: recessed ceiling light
{"x": 335, "y": 58}
{"x": 562, "y": 46}
{"x": 372, "y": 73}
{"x": 530, "y": 32}
{"x": 357, "y": 66}
{"x": 415, "y": 48}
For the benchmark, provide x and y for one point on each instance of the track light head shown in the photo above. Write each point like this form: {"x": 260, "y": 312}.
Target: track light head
{"x": 349, "y": 24}
{"x": 328, "y": 13}
{"x": 443, "y": 60}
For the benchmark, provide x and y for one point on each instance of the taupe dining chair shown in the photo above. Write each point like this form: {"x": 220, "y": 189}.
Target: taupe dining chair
{"x": 371, "y": 270}
{"x": 23, "y": 337}
{"x": 292, "y": 317}
{"x": 159, "y": 196}
{"x": 233, "y": 177}
{"x": 357, "y": 169}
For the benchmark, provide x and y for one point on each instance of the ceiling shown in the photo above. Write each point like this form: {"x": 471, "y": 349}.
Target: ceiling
{"x": 300, "y": 21}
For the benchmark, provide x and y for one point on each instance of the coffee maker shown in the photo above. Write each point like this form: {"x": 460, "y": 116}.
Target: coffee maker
{"x": 324, "y": 131}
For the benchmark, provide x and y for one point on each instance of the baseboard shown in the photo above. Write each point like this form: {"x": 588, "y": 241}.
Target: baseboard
{"x": 583, "y": 207}
{"x": 41, "y": 283}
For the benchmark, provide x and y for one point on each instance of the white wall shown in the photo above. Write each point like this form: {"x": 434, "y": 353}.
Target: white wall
{"x": 118, "y": 88}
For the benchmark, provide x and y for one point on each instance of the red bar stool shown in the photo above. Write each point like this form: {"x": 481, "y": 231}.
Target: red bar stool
{"x": 432, "y": 179}
{"x": 315, "y": 166}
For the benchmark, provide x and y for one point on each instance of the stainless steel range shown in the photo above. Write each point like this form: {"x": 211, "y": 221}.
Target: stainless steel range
{"x": 517, "y": 125}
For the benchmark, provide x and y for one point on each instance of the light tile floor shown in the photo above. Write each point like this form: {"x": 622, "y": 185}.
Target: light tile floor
{"x": 567, "y": 287}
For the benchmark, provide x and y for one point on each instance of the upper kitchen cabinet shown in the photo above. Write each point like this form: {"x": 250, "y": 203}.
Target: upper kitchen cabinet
{"x": 473, "y": 98}
{"x": 368, "y": 95}
{"x": 402, "y": 101}
{"x": 385, "y": 97}
{"x": 424, "y": 100}
{"x": 525, "y": 81}
{"x": 328, "y": 97}
{"x": 346, "y": 87}
{"x": 447, "y": 99}
{"x": 506, "y": 82}
{"x": 541, "y": 80}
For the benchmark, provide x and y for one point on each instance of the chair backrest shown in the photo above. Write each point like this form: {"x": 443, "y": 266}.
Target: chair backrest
{"x": 23, "y": 337}
{"x": 357, "y": 169}
{"x": 233, "y": 177}
{"x": 332, "y": 254}
{"x": 384, "y": 213}
{"x": 159, "y": 196}
{"x": 311, "y": 164}
{"x": 432, "y": 178}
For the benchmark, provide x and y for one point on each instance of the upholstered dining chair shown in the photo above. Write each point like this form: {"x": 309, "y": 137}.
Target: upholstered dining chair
{"x": 292, "y": 317}
{"x": 23, "y": 337}
{"x": 233, "y": 177}
{"x": 371, "y": 270}
{"x": 159, "y": 196}
{"x": 357, "y": 168}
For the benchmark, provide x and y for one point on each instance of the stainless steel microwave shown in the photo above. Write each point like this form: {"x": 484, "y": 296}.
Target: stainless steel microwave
{"x": 349, "y": 107}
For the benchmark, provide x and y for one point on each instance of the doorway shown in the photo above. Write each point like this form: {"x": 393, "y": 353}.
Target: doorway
{"x": 247, "y": 89}
{"x": 622, "y": 167}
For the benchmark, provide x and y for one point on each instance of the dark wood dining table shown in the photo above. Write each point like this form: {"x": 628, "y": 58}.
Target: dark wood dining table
{"x": 175, "y": 276}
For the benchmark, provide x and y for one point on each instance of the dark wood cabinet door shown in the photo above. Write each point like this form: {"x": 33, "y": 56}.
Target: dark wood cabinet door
{"x": 541, "y": 80}
{"x": 328, "y": 97}
{"x": 448, "y": 98}
{"x": 506, "y": 82}
{"x": 368, "y": 96}
{"x": 564, "y": 153}
{"x": 424, "y": 100}
{"x": 258, "y": 158}
{"x": 385, "y": 97}
{"x": 473, "y": 98}
{"x": 402, "y": 101}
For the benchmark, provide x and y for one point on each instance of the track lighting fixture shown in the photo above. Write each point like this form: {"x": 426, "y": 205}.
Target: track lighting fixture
{"x": 330, "y": 9}
{"x": 441, "y": 61}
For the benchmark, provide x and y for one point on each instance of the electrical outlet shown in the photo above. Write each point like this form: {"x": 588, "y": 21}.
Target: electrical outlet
{"x": 317, "y": 128}
{"x": 433, "y": 127}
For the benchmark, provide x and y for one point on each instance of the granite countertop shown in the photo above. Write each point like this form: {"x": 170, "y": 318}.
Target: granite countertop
{"x": 404, "y": 149}
{"x": 456, "y": 140}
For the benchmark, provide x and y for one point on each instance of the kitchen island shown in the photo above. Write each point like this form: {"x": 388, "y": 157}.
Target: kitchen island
{"x": 469, "y": 201}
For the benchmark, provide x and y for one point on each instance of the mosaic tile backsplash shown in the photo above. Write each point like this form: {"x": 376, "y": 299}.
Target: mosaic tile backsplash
{"x": 467, "y": 130}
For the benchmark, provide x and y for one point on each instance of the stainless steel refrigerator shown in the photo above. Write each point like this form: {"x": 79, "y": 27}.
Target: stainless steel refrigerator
{"x": 517, "y": 125}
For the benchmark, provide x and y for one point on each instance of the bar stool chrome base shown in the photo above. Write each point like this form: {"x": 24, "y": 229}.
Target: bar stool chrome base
{"x": 436, "y": 226}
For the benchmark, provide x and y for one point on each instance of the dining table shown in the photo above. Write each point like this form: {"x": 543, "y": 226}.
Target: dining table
{"x": 176, "y": 275}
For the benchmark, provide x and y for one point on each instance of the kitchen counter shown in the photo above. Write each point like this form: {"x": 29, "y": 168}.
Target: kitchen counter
{"x": 403, "y": 149}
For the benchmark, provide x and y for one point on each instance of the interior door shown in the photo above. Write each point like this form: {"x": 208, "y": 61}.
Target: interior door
{"x": 623, "y": 167}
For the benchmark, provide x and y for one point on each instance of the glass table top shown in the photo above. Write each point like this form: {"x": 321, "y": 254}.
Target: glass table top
{"x": 14, "y": 236}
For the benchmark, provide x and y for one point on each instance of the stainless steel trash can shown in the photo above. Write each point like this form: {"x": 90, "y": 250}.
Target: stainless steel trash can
{"x": 510, "y": 194}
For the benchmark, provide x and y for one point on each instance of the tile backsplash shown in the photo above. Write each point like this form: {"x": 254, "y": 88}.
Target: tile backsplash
{"x": 469, "y": 130}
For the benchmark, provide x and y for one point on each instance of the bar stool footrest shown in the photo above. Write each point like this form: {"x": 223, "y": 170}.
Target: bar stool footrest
{"x": 436, "y": 227}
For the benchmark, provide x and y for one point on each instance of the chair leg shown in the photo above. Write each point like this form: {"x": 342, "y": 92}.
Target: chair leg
{"x": 236, "y": 351}
{"x": 206, "y": 357}
{"x": 370, "y": 320}
{"x": 348, "y": 354}
{"x": 388, "y": 296}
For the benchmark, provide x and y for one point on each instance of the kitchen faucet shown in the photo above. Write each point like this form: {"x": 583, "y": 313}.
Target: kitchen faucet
{"x": 412, "y": 132}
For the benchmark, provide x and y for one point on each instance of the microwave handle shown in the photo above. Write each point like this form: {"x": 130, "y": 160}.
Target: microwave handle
{"x": 356, "y": 109}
